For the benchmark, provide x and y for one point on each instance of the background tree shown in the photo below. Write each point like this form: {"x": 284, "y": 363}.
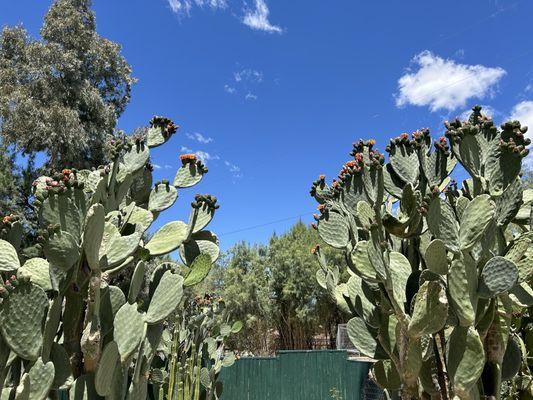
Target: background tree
{"x": 300, "y": 308}
{"x": 273, "y": 291}
{"x": 62, "y": 94}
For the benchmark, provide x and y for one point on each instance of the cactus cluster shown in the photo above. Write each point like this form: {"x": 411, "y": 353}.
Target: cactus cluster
{"x": 63, "y": 324}
{"x": 196, "y": 351}
{"x": 439, "y": 275}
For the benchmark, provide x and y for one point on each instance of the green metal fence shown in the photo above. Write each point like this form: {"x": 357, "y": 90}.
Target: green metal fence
{"x": 295, "y": 375}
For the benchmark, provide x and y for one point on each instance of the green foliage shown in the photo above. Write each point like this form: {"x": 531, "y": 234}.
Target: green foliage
{"x": 440, "y": 275}
{"x": 63, "y": 322}
{"x": 63, "y": 94}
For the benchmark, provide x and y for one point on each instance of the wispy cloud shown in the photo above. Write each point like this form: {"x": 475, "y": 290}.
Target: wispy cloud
{"x": 244, "y": 81}
{"x": 201, "y": 154}
{"x": 250, "y": 97}
{"x": 198, "y": 137}
{"x": 182, "y": 7}
{"x": 257, "y": 18}
{"x": 229, "y": 89}
{"x": 248, "y": 75}
{"x": 234, "y": 169}
{"x": 444, "y": 84}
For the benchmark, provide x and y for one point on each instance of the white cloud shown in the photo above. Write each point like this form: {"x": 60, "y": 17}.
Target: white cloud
{"x": 258, "y": 18}
{"x": 251, "y": 97}
{"x": 202, "y": 155}
{"x": 529, "y": 88}
{"x": 248, "y": 75}
{"x": 229, "y": 89}
{"x": 156, "y": 166}
{"x": 198, "y": 137}
{"x": 184, "y": 6}
{"x": 445, "y": 84}
{"x": 234, "y": 169}
{"x": 523, "y": 112}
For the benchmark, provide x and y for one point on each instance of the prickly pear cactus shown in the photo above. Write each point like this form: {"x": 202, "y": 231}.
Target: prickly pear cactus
{"x": 440, "y": 274}
{"x": 63, "y": 324}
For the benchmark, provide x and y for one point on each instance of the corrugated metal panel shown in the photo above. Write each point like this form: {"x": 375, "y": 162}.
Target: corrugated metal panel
{"x": 295, "y": 375}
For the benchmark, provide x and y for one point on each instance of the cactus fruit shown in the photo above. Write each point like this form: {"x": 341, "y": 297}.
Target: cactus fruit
{"x": 63, "y": 321}
{"x": 441, "y": 273}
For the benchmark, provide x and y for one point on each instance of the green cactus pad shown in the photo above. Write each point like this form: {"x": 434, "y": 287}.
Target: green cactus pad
{"x": 155, "y": 137}
{"x": 136, "y": 157}
{"x": 38, "y": 270}
{"x": 21, "y": 319}
{"x": 364, "y": 307}
{"x": 461, "y": 283}
{"x": 199, "y": 270}
{"x": 361, "y": 338}
{"x": 377, "y": 257}
{"x": 392, "y": 182}
{"x": 60, "y": 210}
{"x": 431, "y": 310}
{"x": 162, "y": 197}
{"x": 435, "y": 257}
{"x": 476, "y": 217}
{"x": 203, "y": 242}
{"x": 333, "y": 229}
{"x": 524, "y": 213}
{"x": 41, "y": 379}
{"x": 399, "y": 270}
{"x": 93, "y": 234}
{"x": 361, "y": 262}
{"x": 188, "y": 175}
{"x": 512, "y": 359}
{"x": 111, "y": 299}
{"x": 166, "y": 298}
{"x": 141, "y": 218}
{"x": 79, "y": 390}
{"x": 466, "y": 359}
{"x": 442, "y": 223}
{"x": 104, "y": 374}
{"x": 404, "y": 161}
{"x": 353, "y": 192}
{"x": 62, "y": 250}
{"x": 499, "y": 275}
{"x": 460, "y": 206}
{"x": 365, "y": 214}
{"x": 509, "y": 203}
{"x": 63, "y": 378}
{"x": 321, "y": 278}
{"x": 136, "y": 282}
{"x": 141, "y": 186}
{"x": 203, "y": 217}
{"x": 119, "y": 248}
{"x": 168, "y": 238}
{"x": 9, "y": 260}
{"x": 128, "y": 330}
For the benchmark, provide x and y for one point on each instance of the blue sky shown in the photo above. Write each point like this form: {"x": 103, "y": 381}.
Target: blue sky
{"x": 273, "y": 92}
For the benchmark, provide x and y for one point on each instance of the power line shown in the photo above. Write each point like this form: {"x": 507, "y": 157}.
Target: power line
{"x": 249, "y": 228}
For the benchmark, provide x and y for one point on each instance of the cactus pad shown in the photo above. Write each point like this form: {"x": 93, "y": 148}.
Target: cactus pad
{"x": 38, "y": 270}
{"x": 166, "y": 298}
{"x": 361, "y": 338}
{"x": 188, "y": 175}
{"x": 333, "y": 229}
{"x": 9, "y": 260}
{"x": 93, "y": 234}
{"x": 41, "y": 379}
{"x": 104, "y": 374}
{"x": 128, "y": 330}
{"x": 199, "y": 270}
{"x": 431, "y": 310}
{"x": 203, "y": 242}
{"x": 62, "y": 250}
{"x": 476, "y": 217}
{"x": 435, "y": 257}
{"x": 21, "y": 318}
{"x": 162, "y": 197}
{"x": 168, "y": 238}
{"x": 136, "y": 282}
{"x": 498, "y": 276}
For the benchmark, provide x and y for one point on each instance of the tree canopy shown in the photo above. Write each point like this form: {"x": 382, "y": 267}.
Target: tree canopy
{"x": 62, "y": 94}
